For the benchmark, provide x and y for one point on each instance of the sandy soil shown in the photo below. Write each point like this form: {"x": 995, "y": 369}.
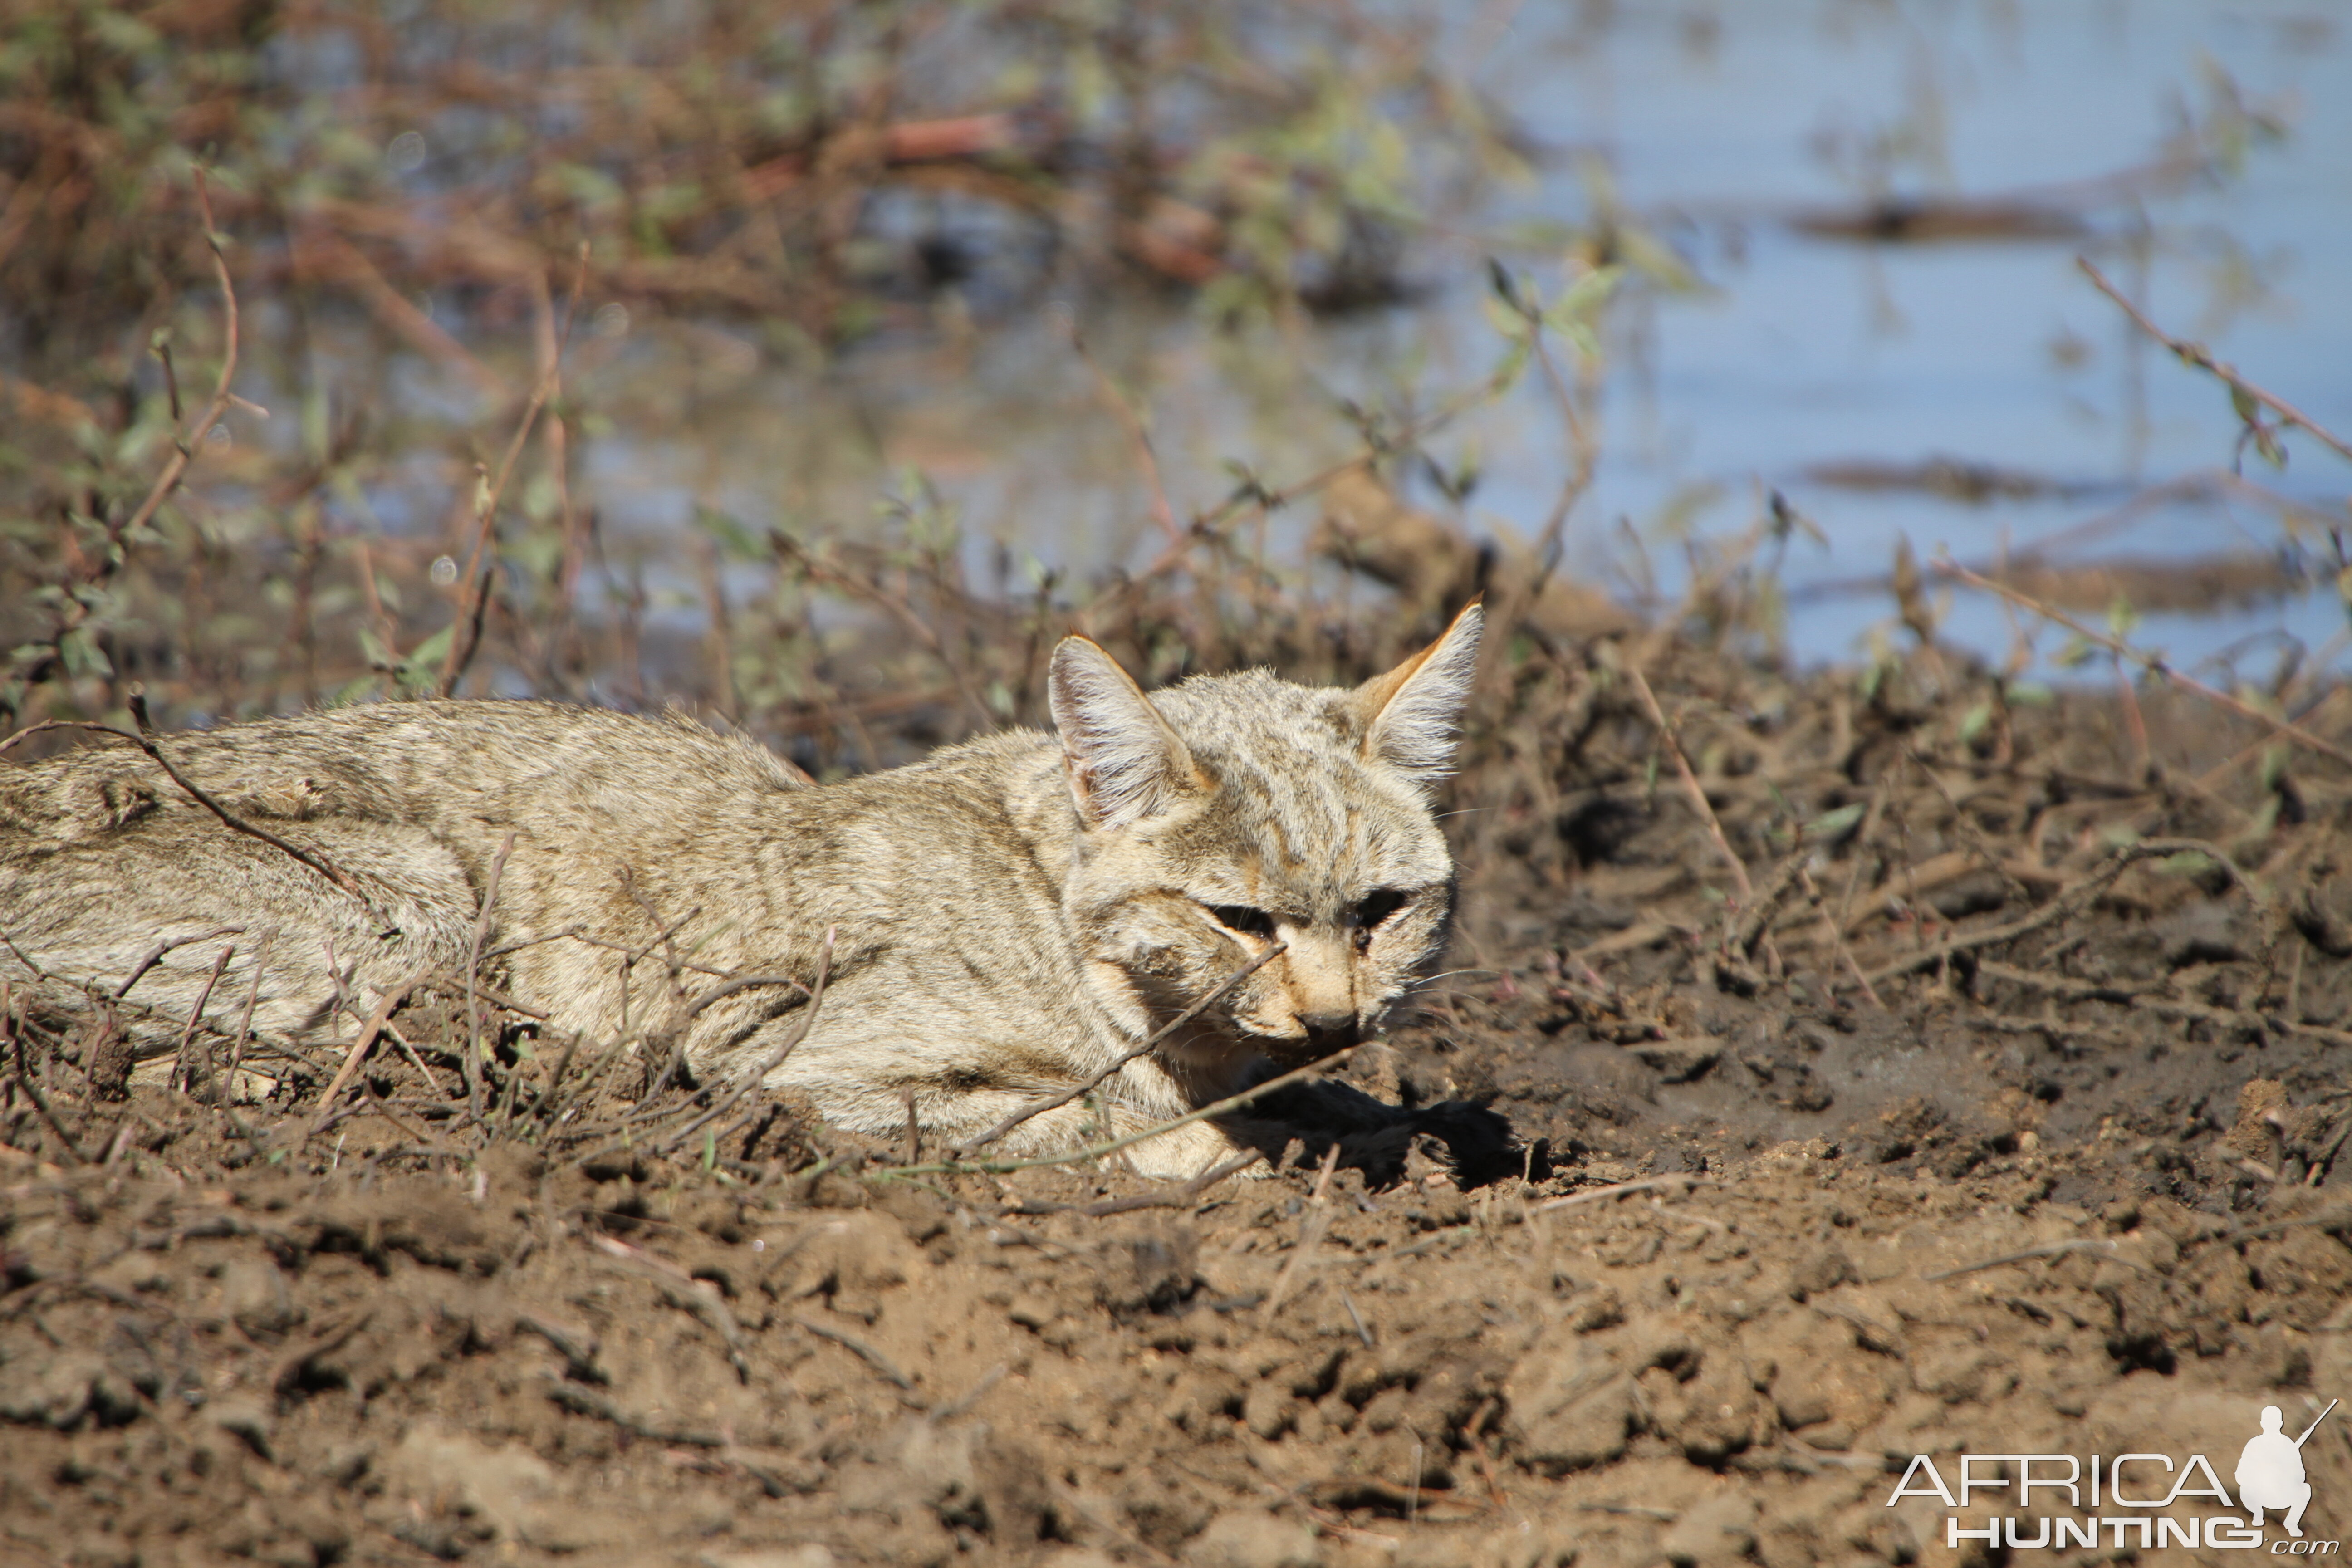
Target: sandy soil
{"x": 2070, "y": 1184}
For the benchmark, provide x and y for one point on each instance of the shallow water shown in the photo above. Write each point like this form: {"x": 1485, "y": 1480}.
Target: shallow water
{"x": 1721, "y": 129}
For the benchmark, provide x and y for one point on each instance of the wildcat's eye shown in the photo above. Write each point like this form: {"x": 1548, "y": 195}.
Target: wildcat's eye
{"x": 1378, "y": 906}
{"x": 1242, "y": 918}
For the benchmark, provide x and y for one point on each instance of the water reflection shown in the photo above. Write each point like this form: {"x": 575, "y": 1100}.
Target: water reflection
{"x": 1860, "y": 224}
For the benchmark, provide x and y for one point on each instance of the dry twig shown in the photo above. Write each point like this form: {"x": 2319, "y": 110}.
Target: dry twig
{"x": 1054, "y": 1101}
{"x": 2197, "y": 357}
{"x": 1690, "y": 782}
{"x": 2153, "y": 663}
{"x": 183, "y": 450}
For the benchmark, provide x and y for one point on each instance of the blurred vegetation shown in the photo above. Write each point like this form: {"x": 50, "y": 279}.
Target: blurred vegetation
{"x": 431, "y": 224}
{"x": 803, "y": 164}
{"x": 474, "y": 191}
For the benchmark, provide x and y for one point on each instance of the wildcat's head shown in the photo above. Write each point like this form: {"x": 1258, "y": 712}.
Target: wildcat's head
{"x": 1232, "y": 813}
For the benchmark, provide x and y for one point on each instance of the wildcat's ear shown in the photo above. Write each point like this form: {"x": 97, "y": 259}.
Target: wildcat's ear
{"x": 1123, "y": 763}
{"x": 1411, "y": 716}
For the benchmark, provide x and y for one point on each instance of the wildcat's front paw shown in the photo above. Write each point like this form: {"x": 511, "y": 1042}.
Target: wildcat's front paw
{"x": 1190, "y": 1152}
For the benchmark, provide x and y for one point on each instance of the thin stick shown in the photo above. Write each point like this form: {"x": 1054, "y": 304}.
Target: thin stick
{"x": 1837, "y": 939}
{"x": 2153, "y": 663}
{"x": 317, "y": 862}
{"x": 1690, "y": 781}
{"x": 245, "y": 1017}
{"x": 1206, "y": 526}
{"x": 2199, "y": 357}
{"x": 196, "y": 1018}
{"x": 2029, "y": 1253}
{"x": 1138, "y": 435}
{"x": 154, "y": 955}
{"x": 1055, "y": 1101}
{"x": 376, "y": 1020}
{"x": 1621, "y": 1189}
{"x": 1112, "y": 1146}
{"x": 473, "y": 972}
{"x": 859, "y": 1348}
{"x": 727, "y": 988}
{"x": 184, "y": 451}
{"x": 33, "y": 1092}
{"x": 1183, "y": 1197}
{"x": 774, "y": 1059}
{"x": 1311, "y": 1236}
{"x": 486, "y": 506}
{"x": 2073, "y": 900}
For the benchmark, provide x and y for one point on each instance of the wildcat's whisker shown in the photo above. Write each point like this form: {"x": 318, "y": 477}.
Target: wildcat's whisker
{"x": 1451, "y": 973}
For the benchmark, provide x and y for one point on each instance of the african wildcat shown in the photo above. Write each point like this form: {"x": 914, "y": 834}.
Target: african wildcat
{"x": 1010, "y": 914}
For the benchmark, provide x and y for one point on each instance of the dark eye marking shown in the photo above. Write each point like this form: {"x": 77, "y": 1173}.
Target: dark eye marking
{"x": 1378, "y": 906}
{"x": 1243, "y": 919}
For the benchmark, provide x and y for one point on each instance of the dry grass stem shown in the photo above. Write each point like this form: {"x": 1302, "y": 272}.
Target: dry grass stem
{"x": 2153, "y": 663}
{"x": 2199, "y": 357}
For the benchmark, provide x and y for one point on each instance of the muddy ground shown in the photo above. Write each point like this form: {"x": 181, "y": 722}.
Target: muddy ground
{"x": 2003, "y": 1112}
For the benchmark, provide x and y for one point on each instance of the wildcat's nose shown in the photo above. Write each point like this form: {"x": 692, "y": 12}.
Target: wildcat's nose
{"x": 1329, "y": 1032}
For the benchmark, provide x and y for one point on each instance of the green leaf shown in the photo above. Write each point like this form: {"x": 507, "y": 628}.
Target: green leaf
{"x": 2275, "y": 760}
{"x": 81, "y": 654}
{"x": 1832, "y": 825}
{"x": 424, "y": 658}
{"x": 1580, "y": 306}
{"x": 730, "y": 533}
{"x": 1512, "y": 325}
{"x": 2265, "y": 821}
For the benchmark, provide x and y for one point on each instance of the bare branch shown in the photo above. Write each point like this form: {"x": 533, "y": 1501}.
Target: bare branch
{"x": 2199, "y": 357}
{"x": 1054, "y": 1101}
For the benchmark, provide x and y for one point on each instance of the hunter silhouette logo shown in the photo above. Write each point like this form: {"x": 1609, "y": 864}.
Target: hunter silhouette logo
{"x": 2270, "y": 1472}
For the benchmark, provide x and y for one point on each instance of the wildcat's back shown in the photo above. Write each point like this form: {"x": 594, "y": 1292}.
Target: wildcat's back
{"x": 1009, "y": 917}
{"x": 103, "y": 857}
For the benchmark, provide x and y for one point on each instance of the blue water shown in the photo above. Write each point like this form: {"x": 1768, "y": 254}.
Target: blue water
{"x": 1810, "y": 351}
{"x": 1717, "y": 125}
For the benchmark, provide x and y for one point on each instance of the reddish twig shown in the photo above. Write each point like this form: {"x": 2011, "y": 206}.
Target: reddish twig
{"x": 317, "y": 862}
{"x": 2199, "y": 357}
{"x": 184, "y": 451}
{"x": 2152, "y": 663}
{"x": 774, "y": 1058}
{"x": 462, "y": 646}
{"x": 1690, "y": 782}
{"x": 1055, "y": 1101}
{"x": 473, "y": 976}
{"x": 368, "y": 1033}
